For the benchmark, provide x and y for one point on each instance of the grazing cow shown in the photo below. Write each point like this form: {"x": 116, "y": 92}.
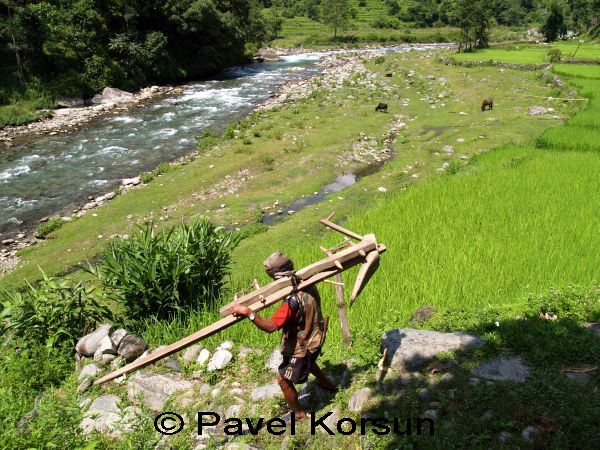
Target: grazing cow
{"x": 388, "y": 75}
{"x": 381, "y": 107}
{"x": 487, "y": 102}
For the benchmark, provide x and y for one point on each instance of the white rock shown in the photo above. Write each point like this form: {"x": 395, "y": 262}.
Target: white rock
{"x": 155, "y": 390}
{"x": 219, "y": 360}
{"x": 88, "y": 371}
{"x": 203, "y": 357}
{"x": 88, "y": 344}
{"x": 191, "y": 353}
{"x": 381, "y": 189}
{"x": 227, "y": 345}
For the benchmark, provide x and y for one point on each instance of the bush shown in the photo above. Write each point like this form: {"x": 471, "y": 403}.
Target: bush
{"x": 207, "y": 141}
{"x": 54, "y": 313}
{"x": 387, "y": 22}
{"x": 379, "y": 60}
{"x": 44, "y": 229}
{"x": 554, "y": 55}
{"x": 159, "y": 273}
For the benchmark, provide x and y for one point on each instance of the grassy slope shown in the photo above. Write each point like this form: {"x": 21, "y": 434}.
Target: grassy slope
{"x": 523, "y": 54}
{"x": 511, "y": 222}
{"x": 360, "y": 31}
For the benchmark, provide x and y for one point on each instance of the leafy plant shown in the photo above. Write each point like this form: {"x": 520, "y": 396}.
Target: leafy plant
{"x": 159, "y": 273}
{"x": 44, "y": 229}
{"x": 207, "y": 141}
{"x": 379, "y": 60}
{"x": 554, "y": 55}
{"x": 55, "y": 313}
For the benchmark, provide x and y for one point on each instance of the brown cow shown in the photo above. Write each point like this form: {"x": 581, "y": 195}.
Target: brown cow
{"x": 487, "y": 102}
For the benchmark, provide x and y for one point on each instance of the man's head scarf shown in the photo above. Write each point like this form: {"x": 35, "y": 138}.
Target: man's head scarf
{"x": 278, "y": 263}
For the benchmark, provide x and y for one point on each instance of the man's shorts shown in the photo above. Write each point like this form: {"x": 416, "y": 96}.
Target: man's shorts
{"x": 296, "y": 370}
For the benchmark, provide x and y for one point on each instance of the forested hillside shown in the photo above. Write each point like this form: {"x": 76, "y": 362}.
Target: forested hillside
{"x": 76, "y": 47}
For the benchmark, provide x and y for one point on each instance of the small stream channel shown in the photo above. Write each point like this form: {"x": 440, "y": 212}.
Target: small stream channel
{"x": 53, "y": 174}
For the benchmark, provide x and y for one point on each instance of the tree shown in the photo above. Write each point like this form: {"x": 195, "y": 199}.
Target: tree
{"x": 555, "y": 26}
{"x": 474, "y": 23}
{"x": 336, "y": 13}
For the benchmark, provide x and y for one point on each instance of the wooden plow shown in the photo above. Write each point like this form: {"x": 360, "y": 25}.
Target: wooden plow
{"x": 339, "y": 258}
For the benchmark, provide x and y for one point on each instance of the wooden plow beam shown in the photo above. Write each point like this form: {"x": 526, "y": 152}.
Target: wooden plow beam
{"x": 263, "y": 297}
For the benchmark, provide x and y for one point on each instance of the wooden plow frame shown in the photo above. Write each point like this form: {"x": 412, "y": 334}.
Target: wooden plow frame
{"x": 338, "y": 259}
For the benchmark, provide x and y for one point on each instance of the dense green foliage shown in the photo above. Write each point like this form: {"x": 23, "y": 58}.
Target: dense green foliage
{"x": 44, "y": 229}
{"x": 77, "y": 47}
{"x": 54, "y": 313}
{"x": 157, "y": 273}
{"x": 554, "y": 27}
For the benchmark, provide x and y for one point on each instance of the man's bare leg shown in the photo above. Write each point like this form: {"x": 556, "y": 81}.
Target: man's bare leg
{"x": 322, "y": 379}
{"x": 291, "y": 396}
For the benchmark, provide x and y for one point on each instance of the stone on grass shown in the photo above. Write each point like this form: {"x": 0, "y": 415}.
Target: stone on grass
{"x": 203, "y": 357}
{"x": 504, "y": 436}
{"x": 103, "y": 415}
{"x": 191, "y": 353}
{"x": 537, "y": 110}
{"x": 423, "y": 394}
{"x": 106, "y": 347}
{"x": 219, "y": 360}
{"x": 88, "y": 344}
{"x": 359, "y": 399}
{"x": 88, "y": 371}
{"x": 117, "y": 336}
{"x": 409, "y": 348}
{"x": 430, "y": 414}
{"x": 581, "y": 377}
{"x": 155, "y": 390}
{"x": 503, "y": 369}
{"x": 84, "y": 385}
{"x": 131, "y": 347}
{"x": 274, "y": 360}
{"x": 266, "y": 392}
{"x": 447, "y": 378}
{"x": 331, "y": 421}
{"x": 173, "y": 364}
{"x": 227, "y": 345}
{"x": 529, "y": 433}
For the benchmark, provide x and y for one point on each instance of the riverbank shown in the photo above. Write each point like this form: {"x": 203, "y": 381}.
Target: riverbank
{"x": 335, "y": 70}
{"x": 296, "y": 147}
{"x": 68, "y": 119}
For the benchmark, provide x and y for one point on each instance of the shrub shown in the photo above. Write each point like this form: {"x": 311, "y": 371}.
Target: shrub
{"x": 159, "y": 273}
{"x": 554, "y": 55}
{"x": 54, "y": 313}
{"x": 387, "y": 22}
{"x": 379, "y": 60}
{"x": 146, "y": 177}
{"x": 207, "y": 141}
{"x": 268, "y": 162}
{"x": 44, "y": 229}
{"x": 162, "y": 168}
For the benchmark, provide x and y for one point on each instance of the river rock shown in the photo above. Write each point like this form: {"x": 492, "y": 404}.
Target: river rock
{"x": 227, "y": 345}
{"x": 359, "y": 399}
{"x": 503, "y": 369}
{"x": 88, "y": 371}
{"x": 191, "y": 354}
{"x": 105, "y": 197}
{"x": 113, "y": 95}
{"x": 87, "y": 345}
{"x": 103, "y": 415}
{"x": 266, "y": 392}
{"x": 203, "y": 357}
{"x": 117, "y": 336}
{"x": 70, "y": 102}
{"x": 134, "y": 181}
{"x": 219, "y": 360}
{"x": 537, "y": 110}
{"x": 155, "y": 390}
{"x": 409, "y": 348}
{"x": 131, "y": 347}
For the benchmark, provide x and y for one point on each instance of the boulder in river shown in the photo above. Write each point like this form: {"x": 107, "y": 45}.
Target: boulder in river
{"x": 113, "y": 95}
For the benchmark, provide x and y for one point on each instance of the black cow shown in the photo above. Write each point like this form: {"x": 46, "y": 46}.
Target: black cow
{"x": 381, "y": 107}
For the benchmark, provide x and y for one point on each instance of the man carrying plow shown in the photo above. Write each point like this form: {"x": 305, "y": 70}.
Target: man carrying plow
{"x": 301, "y": 319}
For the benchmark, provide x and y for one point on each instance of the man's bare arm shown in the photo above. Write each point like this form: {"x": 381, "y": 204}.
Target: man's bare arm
{"x": 261, "y": 323}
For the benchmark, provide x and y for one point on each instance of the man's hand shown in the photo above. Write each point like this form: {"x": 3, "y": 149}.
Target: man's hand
{"x": 240, "y": 310}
